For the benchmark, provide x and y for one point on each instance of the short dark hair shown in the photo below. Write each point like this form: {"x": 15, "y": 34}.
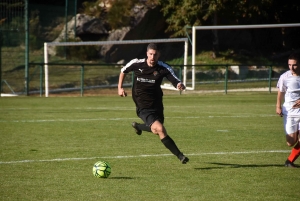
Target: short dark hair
{"x": 152, "y": 46}
{"x": 295, "y": 56}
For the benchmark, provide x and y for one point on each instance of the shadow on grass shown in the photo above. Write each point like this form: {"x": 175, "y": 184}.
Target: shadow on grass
{"x": 228, "y": 165}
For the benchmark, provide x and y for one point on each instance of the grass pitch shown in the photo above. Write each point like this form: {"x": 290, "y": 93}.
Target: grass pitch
{"x": 235, "y": 143}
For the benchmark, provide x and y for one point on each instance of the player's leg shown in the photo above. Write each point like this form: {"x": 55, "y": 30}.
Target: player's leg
{"x": 139, "y": 127}
{"x": 295, "y": 150}
{"x": 292, "y": 140}
{"x": 158, "y": 128}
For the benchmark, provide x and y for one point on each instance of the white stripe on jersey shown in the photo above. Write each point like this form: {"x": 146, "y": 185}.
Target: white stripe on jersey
{"x": 169, "y": 69}
{"x": 131, "y": 62}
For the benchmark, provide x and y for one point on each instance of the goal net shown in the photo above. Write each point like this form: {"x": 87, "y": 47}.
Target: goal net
{"x": 47, "y": 62}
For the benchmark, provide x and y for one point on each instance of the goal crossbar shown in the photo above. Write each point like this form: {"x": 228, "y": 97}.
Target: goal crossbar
{"x": 258, "y": 26}
{"x": 168, "y": 40}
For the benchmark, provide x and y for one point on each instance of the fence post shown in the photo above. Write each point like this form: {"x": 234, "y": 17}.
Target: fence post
{"x": 0, "y": 62}
{"x": 270, "y": 78}
{"x": 226, "y": 78}
{"x": 26, "y": 48}
{"x": 180, "y": 76}
{"x": 41, "y": 80}
{"x": 82, "y": 80}
{"x": 66, "y": 26}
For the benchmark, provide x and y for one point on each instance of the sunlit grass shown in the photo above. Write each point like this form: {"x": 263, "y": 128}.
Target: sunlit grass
{"x": 235, "y": 143}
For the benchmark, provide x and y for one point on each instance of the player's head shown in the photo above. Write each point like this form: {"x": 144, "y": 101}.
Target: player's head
{"x": 293, "y": 63}
{"x": 152, "y": 54}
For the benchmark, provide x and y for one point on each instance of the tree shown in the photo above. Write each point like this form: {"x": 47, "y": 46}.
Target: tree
{"x": 181, "y": 13}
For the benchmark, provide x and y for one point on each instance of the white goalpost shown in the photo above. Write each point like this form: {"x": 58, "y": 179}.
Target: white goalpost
{"x": 46, "y": 59}
{"x": 194, "y": 28}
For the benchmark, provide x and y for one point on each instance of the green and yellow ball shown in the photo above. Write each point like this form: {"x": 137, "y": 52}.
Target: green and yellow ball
{"x": 101, "y": 169}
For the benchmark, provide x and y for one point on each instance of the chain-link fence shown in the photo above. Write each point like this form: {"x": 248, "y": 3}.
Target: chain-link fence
{"x": 24, "y": 27}
{"x": 12, "y": 35}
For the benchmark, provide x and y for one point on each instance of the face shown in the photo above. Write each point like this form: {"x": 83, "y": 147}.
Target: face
{"x": 152, "y": 57}
{"x": 293, "y": 66}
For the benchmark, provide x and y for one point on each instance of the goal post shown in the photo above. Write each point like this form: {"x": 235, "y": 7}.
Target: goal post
{"x": 260, "y": 26}
{"x": 128, "y": 42}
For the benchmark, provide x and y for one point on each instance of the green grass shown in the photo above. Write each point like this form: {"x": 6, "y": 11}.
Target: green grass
{"x": 49, "y": 145}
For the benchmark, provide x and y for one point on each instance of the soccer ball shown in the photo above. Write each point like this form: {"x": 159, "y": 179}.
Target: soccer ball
{"x": 101, "y": 169}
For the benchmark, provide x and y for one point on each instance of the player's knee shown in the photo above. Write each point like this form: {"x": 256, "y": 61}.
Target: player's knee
{"x": 291, "y": 139}
{"x": 157, "y": 129}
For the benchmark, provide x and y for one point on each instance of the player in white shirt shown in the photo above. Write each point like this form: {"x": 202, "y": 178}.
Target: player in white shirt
{"x": 289, "y": 89}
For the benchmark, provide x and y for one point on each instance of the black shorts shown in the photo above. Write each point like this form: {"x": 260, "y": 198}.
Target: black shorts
{"x": 150, "y": 115}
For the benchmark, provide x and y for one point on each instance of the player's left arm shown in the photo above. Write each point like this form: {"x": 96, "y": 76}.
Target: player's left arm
{"x": 297, "y": 104}
{"x": 172, "y": 77}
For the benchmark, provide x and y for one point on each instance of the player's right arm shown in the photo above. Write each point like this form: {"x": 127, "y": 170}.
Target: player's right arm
{"x": 121, "y": 91}
{"x": 280, "y": 96}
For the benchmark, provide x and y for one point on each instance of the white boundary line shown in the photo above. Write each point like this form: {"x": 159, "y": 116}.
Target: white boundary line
{"x": 141, "y": 156}
{"x": 121, "y": 119}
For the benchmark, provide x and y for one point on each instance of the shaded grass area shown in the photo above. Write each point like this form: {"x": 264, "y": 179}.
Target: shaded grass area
{"x": 235, "y": 143}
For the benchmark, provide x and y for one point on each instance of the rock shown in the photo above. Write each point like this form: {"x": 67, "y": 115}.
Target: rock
{"x": 87, "y": 28}
{"x": 146, "y": 23}
{"x": 90, "y": 28}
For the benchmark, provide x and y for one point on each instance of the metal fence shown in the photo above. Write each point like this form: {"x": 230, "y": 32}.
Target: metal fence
{"x": 82, "y": 78}
{"x": 24, "y": 27}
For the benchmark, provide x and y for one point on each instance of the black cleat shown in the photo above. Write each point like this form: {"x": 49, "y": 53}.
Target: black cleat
{"x": 137, "y": 131}
{"x": 183, "y": 159}
{"x": 289, "y": 164}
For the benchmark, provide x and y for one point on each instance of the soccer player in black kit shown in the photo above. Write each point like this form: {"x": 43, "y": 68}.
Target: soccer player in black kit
{"x": 148, "y": 95}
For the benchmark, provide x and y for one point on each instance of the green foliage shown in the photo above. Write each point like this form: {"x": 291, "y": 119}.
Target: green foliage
{"x": 119, "y": 14}
{"x": 92, "y": 8}
{"x": 181, "y": 13}
{"x": 235, "y": 143}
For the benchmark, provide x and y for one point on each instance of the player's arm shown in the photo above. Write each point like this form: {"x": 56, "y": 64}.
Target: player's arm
{"x": 280, "y": 96}
{"x": 121, "y": 91}
{"x": 297, "y": 104}
{"x": 171, "y": 76}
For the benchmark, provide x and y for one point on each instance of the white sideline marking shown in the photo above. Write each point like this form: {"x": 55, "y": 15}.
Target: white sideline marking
{"x": 140, "y": 156}
{"x": 118, "y": 119}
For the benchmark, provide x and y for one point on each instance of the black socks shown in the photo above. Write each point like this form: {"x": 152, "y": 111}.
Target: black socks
{"x": 170, "y": 144}
{"x": 143, "y": 127}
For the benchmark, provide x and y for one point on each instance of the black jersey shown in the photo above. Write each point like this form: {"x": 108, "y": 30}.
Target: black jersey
{"x": 146, "y": 90}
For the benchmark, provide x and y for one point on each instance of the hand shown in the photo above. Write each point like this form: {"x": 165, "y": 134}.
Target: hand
{"x": 180, "y": 86}
{"x": 297, "y": 104}
{"x": 122, "y": 92}
{"x": 279, "y": 111}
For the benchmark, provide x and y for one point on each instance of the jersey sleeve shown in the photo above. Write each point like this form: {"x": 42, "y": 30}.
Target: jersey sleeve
{"x": 281, "y": 84}
{"x": 171, "y": 76}
{"x": 128, "y": 67}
